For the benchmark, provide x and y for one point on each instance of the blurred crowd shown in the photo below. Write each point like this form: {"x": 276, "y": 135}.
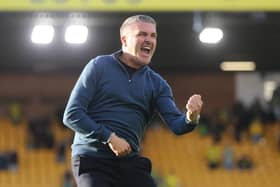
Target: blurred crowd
{"x": 237, "y": 122}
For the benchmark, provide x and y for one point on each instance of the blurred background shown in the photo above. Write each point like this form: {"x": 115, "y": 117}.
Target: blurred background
{"x": 225, "y": 50}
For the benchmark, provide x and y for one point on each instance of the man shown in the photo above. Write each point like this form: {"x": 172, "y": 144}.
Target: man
{"x": 110, "y": 105}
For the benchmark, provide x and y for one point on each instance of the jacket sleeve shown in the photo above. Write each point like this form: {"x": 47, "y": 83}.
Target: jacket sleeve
{"x": 169, "y": 112}
{"x": 75, "y": 115}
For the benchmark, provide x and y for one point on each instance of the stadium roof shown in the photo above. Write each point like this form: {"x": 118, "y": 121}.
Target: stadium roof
{"x": 248, "y": 36}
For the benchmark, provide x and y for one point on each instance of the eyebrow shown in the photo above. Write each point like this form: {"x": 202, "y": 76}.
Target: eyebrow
{"x": 142, "y": 32}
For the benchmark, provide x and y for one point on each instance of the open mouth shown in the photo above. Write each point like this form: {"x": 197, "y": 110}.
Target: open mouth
{"x": 146, "y": 49}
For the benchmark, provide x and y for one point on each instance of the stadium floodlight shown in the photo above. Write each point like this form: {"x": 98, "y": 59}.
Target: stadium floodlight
{"x": 238, "y": 66}
{"x": 76, "y": 34}
{"x": 42, "y": 34}
{"x": 211, "y": 35}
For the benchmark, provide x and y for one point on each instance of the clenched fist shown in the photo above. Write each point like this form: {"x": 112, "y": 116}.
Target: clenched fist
{"x": 194, "y": 106}
{"x": 119, "y": 145}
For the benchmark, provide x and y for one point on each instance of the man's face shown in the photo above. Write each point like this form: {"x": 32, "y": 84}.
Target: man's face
{"x": 139, "y": 39}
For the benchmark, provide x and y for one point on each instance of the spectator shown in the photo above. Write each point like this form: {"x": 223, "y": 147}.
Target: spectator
{"x": 172, "y": 180}
{"x": 9, "y": 161}
{"x": 39, "y": 133}
{"x": 12, "y": 160}
{"x": 256, "y": 130}
{"x": 3, "y": 162}
{"x": 61, "y": 152}
{"x": 67, "y": 180}
{"x": 245, "y": 162}
{"x": 15, "y": 113}
{"x": 214, "y": 155}
{"x": 228, "y": 157}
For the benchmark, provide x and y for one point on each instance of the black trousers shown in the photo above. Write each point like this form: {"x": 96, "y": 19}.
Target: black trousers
{"x": 117, "y": 172}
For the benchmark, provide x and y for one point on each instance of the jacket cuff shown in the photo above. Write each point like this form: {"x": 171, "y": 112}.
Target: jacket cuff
{"x": 194, "y": 122}
{"x": 106, "y": 135}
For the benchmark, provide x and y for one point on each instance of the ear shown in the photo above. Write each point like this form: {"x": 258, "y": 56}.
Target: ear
{"x": 123, "y": 40}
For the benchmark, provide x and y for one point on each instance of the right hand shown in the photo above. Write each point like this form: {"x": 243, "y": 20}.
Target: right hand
{"x": 119, "y": 146}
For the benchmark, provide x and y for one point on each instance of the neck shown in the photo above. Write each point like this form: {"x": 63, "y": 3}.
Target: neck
{"x": 129, "y": 60}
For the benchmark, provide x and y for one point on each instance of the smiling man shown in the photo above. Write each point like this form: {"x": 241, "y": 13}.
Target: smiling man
{"x": 112, "y": 102}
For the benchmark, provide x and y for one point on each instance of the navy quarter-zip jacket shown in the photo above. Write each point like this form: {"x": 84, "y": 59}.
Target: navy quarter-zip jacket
{"x": 106, "y": 99}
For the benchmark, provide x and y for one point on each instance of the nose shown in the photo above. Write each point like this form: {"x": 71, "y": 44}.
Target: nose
{"x": 147, "y": 42}
{"x": 148, "y": 39}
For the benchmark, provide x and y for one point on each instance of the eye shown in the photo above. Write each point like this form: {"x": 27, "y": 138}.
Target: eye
{"x": 142, "y": 34}
{"x": 154, "y": 35}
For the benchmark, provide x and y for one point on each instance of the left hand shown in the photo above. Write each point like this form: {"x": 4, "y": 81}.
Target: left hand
{"x": 194, "y": 106}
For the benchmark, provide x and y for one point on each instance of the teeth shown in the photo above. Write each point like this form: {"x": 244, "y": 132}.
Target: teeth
{"x": 146, "y": 49}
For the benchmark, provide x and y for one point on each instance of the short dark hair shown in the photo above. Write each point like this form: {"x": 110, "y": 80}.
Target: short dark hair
{"x": 137, "y": 18}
